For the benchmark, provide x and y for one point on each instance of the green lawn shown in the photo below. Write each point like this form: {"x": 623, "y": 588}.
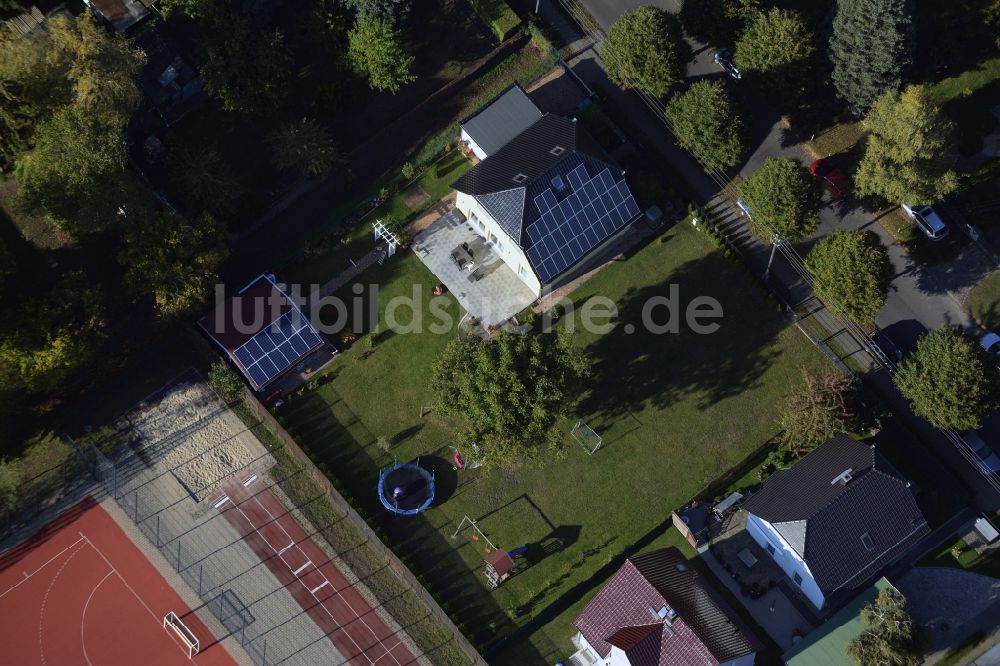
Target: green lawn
{"x": 968, "y": 99}
{"x": 983, "y": 302}
{"x": 435, "y": 181}
{"x": 968, "y": 559}
{"x": 674, "y": 411}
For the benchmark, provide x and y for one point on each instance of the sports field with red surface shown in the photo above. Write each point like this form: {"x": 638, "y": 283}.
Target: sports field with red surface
{"x": 80, "y": 592}
{"x": 320, "y": 588}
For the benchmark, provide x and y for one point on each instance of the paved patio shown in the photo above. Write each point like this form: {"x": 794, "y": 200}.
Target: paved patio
{"x": 489, "y": 291}
{"x": 773, "y": 611}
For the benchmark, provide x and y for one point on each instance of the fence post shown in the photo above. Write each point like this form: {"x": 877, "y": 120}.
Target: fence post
{"x": 201, "y": 570}
{"x": 136, "y": 518}
{"x": 157, "y": 530}
{"x": 178, "y": 555}
{"x": 263, "y": 656}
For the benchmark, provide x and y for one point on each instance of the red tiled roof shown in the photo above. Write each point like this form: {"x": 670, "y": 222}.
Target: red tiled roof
{"x": 258, "y": 305}
{"x": 640, "y": 644}
{"x": 703, "y": 633}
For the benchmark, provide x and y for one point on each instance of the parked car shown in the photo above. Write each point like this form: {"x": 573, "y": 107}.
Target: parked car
{"x": 724, "y": 59}
{"x": 927, "y": 220}
{"x": 991, "y": 343}
{"x": 834, "y": 180}
{"x": 744, "y": 208}
{"x": 986, "y": 459}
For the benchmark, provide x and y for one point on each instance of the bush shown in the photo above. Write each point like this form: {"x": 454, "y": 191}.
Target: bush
{"x": 498, "y": 15}
{"x": 225, "y": 382}
{"x": 408, "y": 171}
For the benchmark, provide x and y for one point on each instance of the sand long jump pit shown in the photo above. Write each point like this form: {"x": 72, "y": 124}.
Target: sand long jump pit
{"x": 198, "y": 484}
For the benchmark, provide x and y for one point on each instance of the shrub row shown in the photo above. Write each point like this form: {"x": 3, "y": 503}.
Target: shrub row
{"x": 498, "y": 15}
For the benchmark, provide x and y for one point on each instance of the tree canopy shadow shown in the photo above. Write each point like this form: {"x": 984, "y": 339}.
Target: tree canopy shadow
{"x": 642, "y": 368}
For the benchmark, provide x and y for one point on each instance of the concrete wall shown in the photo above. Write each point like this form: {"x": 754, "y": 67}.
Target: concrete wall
{"x": 786, "y": 558}
{"x": 502, "y": 243}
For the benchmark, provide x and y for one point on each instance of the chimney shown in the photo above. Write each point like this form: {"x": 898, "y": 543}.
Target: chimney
{"x": 843, "y": 478}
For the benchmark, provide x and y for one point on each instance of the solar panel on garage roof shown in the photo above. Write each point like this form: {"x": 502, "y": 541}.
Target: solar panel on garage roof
{"x": 275, "y": 348}
{"x": 565, "y": 232}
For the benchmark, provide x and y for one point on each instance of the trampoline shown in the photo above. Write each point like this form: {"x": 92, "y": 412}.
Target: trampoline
{"x": 406, "y": 488}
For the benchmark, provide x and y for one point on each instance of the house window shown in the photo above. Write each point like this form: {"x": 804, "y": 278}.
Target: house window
{"x": 770, "y": 549}
{"x": 520, "y": 178}
{"x": 557, "y": 150}
{"x": 797, "y": 578}
{"x": 520, "y": 270}
{"x": 866, "y": 541}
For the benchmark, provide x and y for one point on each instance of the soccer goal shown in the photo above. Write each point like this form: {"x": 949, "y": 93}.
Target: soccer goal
{"x": 586, "y": 437}
{"x": 190, "y": 641}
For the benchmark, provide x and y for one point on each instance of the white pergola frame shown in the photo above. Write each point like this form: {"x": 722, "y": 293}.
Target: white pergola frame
{"x": 383, "y": 232}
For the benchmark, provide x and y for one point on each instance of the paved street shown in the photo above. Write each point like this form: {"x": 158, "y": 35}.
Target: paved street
{"x": 920, "y": 298}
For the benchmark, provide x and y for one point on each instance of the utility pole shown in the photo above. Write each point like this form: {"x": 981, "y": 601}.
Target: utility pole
{"x": 775, "y": 242}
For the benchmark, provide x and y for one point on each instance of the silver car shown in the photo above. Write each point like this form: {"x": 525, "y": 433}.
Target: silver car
{"x": 927, "y": 220}
{"x": 986, "y": 458}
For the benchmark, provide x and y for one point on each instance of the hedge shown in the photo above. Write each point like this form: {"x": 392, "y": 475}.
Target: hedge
{"x": 498, "y": 15}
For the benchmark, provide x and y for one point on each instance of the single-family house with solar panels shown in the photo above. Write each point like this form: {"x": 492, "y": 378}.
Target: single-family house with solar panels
{"x": 835, "y": 519}
{"x": 546, "y": 201}
{"x": 498, "y": 121}
{"x": 658, "y": 611}
{"x": 262, "y": 330}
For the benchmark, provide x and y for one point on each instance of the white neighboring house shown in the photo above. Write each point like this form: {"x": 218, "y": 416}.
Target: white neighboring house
{"x": 547, "y": 200}
{"x": 835, "y": 519}
{"x": 657, "y": 611}
{"x": 498, "y": 121}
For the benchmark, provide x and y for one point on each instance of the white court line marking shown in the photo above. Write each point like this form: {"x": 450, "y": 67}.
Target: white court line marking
{"x": 250, "y": 479}
{"x": 319, "y": 587}
{"x": 225, "y": 498}
{"x": 343, "y": 600}
{"x": 45, "y": 564}
{"x": 45, "y": 600}
{"x": 299, "y": 570}
{"x": 83, "y": 615}
{"x": 131, "y": 589}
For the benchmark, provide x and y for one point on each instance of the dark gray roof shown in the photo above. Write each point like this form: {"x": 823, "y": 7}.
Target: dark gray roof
{"x": 556, "y": 224}
{"x": 845, "y": 526}
{"x": 500, "y": 120}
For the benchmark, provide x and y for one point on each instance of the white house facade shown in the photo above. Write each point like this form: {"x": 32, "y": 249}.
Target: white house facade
{"x": 505, "y": 246}
{"x": 768, "y": 538}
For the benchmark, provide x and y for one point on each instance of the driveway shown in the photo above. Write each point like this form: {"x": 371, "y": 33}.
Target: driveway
{"x": 947, "y": 602}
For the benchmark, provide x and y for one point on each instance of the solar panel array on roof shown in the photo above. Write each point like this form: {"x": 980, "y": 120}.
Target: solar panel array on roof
{"x": 274, "y": 349}
{"x": 567, "y": 230}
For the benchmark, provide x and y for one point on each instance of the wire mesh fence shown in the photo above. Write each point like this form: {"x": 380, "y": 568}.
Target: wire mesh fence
{"x": 168, "y": 496}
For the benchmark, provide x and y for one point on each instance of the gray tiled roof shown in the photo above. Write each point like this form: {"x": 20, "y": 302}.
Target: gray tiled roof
{"x": 623, "y": 614}
{"x": 507, "y": 208}
{"x": 500, "y": 120}
{"x": 824, "y": 519}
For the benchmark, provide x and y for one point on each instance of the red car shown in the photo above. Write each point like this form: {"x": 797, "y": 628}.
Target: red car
{"x": 834, "y": 180}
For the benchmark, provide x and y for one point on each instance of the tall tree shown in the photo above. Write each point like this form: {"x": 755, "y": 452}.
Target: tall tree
{"x": 645, "y": 49}
{"x": 778, "y": 48}
{"x": 852, "y": 272}
{"x": 305, "y": 146}
{"x": 510, "y": 391}
{"x": 375, "y": 50}
{"x": 75, "y": 176}
{"x": 890, "y": 637}
{"x": 707, "y": 123}
{"x": 72, "y": 62}
{"x": 718, "y": 22}
{"x": 247, "y": 67}
{"x": 815, "y": 410}
{"x": 172, "y": 259}
{"x": 44, "y": 340}
{"x": 388, "y": 10}
{"x": 782, "y": 198}
{"x": 870, "y": 46}
{"x": 949, "y": 380}
{"x": 909, "y": 150}
{"x": 205, "y": 180}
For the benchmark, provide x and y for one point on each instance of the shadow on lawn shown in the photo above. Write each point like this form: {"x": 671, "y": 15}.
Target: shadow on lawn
{"x": 420, "y": 541}
{"x": 633, "y": 371}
